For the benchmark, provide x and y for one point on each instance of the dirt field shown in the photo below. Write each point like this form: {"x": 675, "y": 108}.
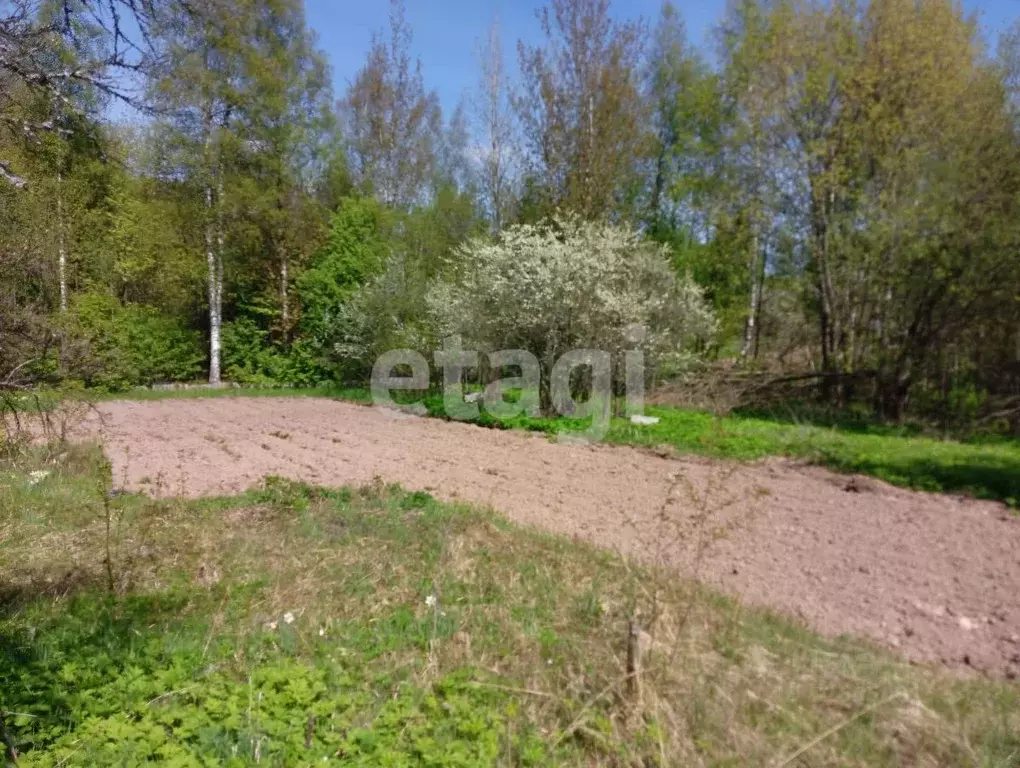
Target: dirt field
{"x": 933, "y": 576}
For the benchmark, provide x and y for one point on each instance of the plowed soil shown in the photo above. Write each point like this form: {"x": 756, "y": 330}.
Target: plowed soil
{"x": 936, "y": 577}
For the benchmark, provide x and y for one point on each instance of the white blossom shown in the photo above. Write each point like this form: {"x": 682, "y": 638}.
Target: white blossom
{"x": 571, "y": 285}
{"x": 36, "y": 477}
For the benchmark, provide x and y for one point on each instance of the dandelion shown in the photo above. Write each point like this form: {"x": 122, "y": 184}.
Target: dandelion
{"x": 288, "y": 617}
{"x": 430, "y": 601}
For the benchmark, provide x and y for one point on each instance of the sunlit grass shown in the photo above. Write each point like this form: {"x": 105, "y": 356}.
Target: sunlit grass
{"x": 375, "y": 626}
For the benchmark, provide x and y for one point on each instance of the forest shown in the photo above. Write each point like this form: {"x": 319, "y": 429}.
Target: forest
{"x": 823, "y": 206}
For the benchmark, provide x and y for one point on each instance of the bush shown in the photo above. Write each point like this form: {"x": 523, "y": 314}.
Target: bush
{"x": 250, "y": 357}
{"x": 389, "y": 312}
{"x": 356, "y": 251}
{"x": 117, "y": 346}
{"x": 571, "y": 285}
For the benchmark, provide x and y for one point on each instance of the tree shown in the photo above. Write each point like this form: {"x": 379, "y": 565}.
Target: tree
{"x": 570, "y": 285}
{"x": 879, "y": 140}
{"x": 494, "y": 130}
{"x": 581, "y": 108}
{"x": 247, "y": 93}
{"x": 355, "y": 251}
{"x": 391, "y": 123}
{"x": 49, "y": 51}
{"x": 287, "y": 123}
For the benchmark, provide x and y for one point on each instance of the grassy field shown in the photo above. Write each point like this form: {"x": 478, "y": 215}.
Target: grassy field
{"x": 378, "y": 627}
{"x": 987, "y": 470}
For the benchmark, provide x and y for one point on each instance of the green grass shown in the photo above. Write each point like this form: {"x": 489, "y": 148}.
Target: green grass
{"x": 357, "y": 395}
{"x": 190, "y": 658}
{"x": 987, "y": 471}
{"x": 984, "y": 470}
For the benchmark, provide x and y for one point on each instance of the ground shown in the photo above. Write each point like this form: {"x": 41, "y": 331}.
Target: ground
{"x": 932, "y": 576}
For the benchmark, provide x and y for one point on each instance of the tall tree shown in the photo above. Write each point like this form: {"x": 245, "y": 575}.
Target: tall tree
{"x": 494, "y": 131}
{"x": 391, "y": 121}
{"x": 288, "y": 125}
{"x": 581, "y": 109}
{"x": 876, "y": 126}
{"x": 201, "y": 88}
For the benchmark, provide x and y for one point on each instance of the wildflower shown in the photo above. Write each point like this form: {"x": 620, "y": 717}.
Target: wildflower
{"x": 430, "y": 601}
{"x": 271, "y": 626}
{"x": 36, "y": 477}
{"x": 288, "y": 617}
{"x": 322, "y": 632}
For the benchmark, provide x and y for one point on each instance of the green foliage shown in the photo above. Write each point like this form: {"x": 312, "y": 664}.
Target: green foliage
{"x": 251, "y": 358}
{"x": 355, "y": 252}
{"x": 123, "y": 346}
{"x": 317, "y": 642}
{"x": 121, "y": 681}
{"x": 984, "y": 471}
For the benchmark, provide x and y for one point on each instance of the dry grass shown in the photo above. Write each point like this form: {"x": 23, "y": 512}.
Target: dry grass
{"x": 540, "y": 622}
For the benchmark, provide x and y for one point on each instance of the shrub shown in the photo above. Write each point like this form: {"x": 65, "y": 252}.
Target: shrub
{"x": 118, "y": 346}
{"x": 250, "y": 357}
{"x": 356, "y": 252}
{"x": 570, "y": 285}
{"x": 389, "y": 312}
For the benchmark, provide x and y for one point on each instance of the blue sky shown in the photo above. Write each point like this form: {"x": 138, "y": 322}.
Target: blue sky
{"x": 446, "y": 31}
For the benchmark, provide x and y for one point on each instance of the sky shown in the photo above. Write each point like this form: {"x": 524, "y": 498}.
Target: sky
{"x": 447, "y": 32}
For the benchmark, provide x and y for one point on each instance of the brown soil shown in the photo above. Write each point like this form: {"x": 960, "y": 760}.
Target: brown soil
{"x": 936, "y": 577}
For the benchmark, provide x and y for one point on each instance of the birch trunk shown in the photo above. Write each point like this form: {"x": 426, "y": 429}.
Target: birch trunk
{"x": 754, "y": 310}
{"x": 214, "y": 292}
{"x": 61, "y": 245}
{"x": 284, "y": 299}
{"x": 213, "y": 250}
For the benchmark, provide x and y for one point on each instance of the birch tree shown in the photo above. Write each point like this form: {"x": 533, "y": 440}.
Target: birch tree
{"x": 391, "y": 122}
{"x": 200, "y": 87}
{"x": 494, "y": 130}
{"x": 581, "y": 109}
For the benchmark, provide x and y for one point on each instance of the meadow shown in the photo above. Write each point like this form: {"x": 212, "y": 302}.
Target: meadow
{"x": 372, "y": 626}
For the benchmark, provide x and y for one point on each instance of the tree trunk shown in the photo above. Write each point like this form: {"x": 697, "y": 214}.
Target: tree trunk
{"x": 219, "y": 273}
{"x": 754, "y": 310}
{"x": 61, "y": 246}
{"x": 284, "y": 299}
{"x": 214, "y": 292}
{"x": 213, "y": 250}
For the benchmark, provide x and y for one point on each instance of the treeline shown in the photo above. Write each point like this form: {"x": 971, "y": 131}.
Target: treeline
{"x": 841, "y": 179}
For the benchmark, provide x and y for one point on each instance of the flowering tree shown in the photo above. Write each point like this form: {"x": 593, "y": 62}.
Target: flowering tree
{"x": 570, "y": 285}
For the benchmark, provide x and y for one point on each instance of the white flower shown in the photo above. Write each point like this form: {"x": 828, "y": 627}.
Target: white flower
{"x": 322, "y": 632}
{"x": 430, "y": 601}
{"x": 288, "y": 618}
{"x": 36, "y": 477}
{"x": 271, "y": 626}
